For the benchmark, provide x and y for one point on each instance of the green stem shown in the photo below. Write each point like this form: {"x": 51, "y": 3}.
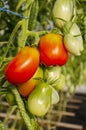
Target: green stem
{"x": 60, "y": 107}
{"x": 15, "y": 121}
{"x": 10, "y": 111}
{"x": 20, "y": 124}
{"x": 24, "y": 26}
{"x": 6, "y": 59}
{"x": 85, "y": 28}
{"x": 36, "y": 35}
{"x": 29, "y": 2}
{"x": 23, "y": 112}
{"x": 2, "y": 127}
{"x": 10, "y": 41}
{"x": 2, "y": 43}
{"x": 19, "y": 4}
{"x": 33, "y": 15}
{"x": 43, "y": 32}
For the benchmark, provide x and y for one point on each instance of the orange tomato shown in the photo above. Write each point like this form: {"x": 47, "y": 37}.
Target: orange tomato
{"x": 26, "y": 88}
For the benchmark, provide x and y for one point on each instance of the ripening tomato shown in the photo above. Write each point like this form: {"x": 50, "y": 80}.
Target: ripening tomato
{"x": 23, "y": 66}
{"x": 52, "y": 50}
{"x": 26, "y": 88}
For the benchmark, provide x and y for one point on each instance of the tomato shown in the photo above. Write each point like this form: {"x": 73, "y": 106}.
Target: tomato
{"x": 26, "y": 88}
{"x": 10, "y": 98}
{"x": 39, "y": 100}
{"x": 63, "y": 12}
{"x": 55, "y": 96}
{"x": 52, "y": 74}
{"x": 60, "y": 83}
{"x": 73, "y": 39}
{"x": 23, "y": 66}
{"x": 52, "y": 50}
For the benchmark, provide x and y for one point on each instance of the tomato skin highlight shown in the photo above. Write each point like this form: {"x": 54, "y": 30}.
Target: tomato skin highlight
{"x": 23, "y": 66}
{"x": 26, "y": 88}
{"x": 52, "y": 50}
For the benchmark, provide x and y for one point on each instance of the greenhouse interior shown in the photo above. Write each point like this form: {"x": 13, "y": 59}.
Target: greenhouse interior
{"x": 42, "y": 64}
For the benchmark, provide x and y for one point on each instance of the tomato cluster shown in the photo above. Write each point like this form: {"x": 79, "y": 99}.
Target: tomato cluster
{"x": 36, "y": 83}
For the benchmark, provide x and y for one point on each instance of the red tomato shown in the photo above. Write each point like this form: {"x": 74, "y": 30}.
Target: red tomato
{"x": 23, "y": 66}
{"x": 26, "y": 88}
{"x": 52, "y": 50}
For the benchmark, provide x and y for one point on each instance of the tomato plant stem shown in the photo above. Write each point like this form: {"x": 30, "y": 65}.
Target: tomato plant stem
{"x": 30, "y": 124}
{"x": 15, "y": 121}
{"x": 10, "y": 111}
{"x": 24, "y": 25}
{"x": 2, "y": 127}
{"x": 36, "y": 35}
{"x": 85, "y": 28}
{"x": 10, "y": 41}
{"x": 19, "y": 4}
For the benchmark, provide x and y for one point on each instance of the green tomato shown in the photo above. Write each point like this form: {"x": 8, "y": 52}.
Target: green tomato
{"x": 39, "y": 100}
{"x": 73, "y": 39}
{"x": 52, "y": 74}
{"x": 62, "y": 12}
{"x": 60, "y": 83}
{"x": 72, "y": 44}
{"x": 55, "y": 96}
{"x": 10, "y": 98}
